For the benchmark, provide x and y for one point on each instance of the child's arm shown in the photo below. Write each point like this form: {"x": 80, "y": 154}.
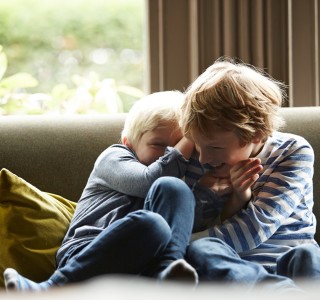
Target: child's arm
{"x": 118, "y": 169}
{"x": 185, "y": 146}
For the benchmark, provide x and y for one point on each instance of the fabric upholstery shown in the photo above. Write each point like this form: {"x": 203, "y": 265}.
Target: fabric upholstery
{"x": 56, "y": 153}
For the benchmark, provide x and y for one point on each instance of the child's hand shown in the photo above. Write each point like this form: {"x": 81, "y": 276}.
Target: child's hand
{"x": 243, "y": 175}
{"x": 221, "y": 186}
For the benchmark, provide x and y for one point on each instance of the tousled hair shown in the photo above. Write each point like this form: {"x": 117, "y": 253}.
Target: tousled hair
{"x": 150, "y": 112}
{"x": 235, "y": 96}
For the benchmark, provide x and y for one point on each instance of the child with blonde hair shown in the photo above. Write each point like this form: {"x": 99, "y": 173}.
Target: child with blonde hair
{"x": 232, "y": 114}
{"x": 256, "y": 179}
{"x": 122, "y": 224}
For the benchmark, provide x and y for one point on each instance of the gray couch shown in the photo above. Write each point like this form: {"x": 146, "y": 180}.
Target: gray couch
{"x": 57, "y": 153}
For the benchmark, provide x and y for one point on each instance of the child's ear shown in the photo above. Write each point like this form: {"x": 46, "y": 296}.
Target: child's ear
{"x": 257, "y": 139}
{"x": 126, "y": 142}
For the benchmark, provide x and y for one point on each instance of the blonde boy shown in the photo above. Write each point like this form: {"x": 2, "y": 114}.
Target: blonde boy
{"x": 121, "y": 223}
{"x": 231, "y": 113}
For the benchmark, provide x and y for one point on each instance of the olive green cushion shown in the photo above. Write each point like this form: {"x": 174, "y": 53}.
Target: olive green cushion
{"x": 32, "y": 226}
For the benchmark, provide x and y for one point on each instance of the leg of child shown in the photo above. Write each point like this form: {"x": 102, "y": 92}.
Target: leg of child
{"x": 301, "y": 262}
{"x": 174, "y": 201}
{"x": 126, "y": 246}
{"x": 216, "y": 261}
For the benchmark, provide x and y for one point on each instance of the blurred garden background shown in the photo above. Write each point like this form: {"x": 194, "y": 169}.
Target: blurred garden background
{"x": 71, "y": 56}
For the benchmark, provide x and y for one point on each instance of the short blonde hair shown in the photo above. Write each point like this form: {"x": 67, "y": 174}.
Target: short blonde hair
{"x": 152, "y": 111}
{"x": 234, "y": 96}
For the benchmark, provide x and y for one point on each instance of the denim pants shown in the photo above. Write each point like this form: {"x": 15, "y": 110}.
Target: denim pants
{"x": 300, "y": 263}
{"x": 124, "y": 247}
{"x": 174, "y": 201}
{"x": 215, "y": 261}
{"x": 143, "y": 242}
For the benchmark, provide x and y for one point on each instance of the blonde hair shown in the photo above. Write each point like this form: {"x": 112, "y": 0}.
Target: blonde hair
{"x": 152, "y": 111}
{"x": 234, "y": 96}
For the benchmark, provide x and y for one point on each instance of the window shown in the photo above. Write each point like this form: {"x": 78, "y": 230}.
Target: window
{"x": 74, "y": 56}
{"x": 100, "y": 64}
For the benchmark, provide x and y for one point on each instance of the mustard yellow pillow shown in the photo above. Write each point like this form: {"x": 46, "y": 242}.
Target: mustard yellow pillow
{"x": 32, "y": 226}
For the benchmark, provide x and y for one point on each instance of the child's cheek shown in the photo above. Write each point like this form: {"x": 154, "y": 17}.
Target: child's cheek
{"x": 232, "y": 158}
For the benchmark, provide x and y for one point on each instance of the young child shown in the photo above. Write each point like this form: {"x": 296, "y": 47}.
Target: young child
{"x": 231, "y": 113}
{"x": 121, "y": 223}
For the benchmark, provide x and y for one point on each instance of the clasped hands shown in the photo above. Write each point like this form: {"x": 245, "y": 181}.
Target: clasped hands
{"x": 242, "y": 176}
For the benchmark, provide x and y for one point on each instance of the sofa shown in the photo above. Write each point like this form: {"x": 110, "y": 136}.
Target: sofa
{"x": 52, "y": 156}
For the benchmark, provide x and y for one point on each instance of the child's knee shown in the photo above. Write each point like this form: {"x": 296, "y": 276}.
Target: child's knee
{"x": 300, "y": 261}
{"x": 169, "y": 183}
{"x": 302, "y": 252}
{"x": 172, "y": 190}
{"x": 151, "y": 221}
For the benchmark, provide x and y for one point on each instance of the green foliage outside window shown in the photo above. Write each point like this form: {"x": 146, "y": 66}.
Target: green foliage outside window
{"x": 73, "y": 56}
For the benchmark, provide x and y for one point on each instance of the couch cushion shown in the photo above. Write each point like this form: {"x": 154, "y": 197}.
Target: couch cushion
{"x": 32, "y": 226}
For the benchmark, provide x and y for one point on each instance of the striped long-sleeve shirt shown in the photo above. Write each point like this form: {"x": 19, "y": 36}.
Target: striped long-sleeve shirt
{"x": 279, "y": 214}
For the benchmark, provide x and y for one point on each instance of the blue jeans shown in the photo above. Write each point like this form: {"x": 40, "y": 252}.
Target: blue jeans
{"x": 216, "y": 261}
{"x": 301, "y": 262}
{"x": 143, "y": 242}
{"x": 174, "y": 201}
{"x": 126, "y": 246}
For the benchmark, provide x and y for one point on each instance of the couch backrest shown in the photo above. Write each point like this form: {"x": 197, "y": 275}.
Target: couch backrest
{"x": 56, "y": 154}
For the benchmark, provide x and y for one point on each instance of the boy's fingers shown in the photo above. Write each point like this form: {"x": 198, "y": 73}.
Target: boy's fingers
{"x": 244, "y": 181}
{"x": 244, "y": 185}
{"x": 246, "y": 172}
{"x": 247, "y": 164}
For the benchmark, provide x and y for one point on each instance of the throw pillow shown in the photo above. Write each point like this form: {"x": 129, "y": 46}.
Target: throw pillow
{"x": 32, "y": 226}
